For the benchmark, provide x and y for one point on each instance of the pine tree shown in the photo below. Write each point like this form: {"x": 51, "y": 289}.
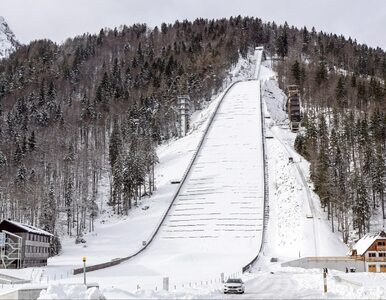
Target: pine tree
{"x": 321, "y": 74}
{"x": 32, "y": 141}
{"x": 379, "y": 178}
{"x": 282, "y": 43}
{"x": 361, "y": 207}
{"x": 117, "y": 186}
{"x": 296, "y": 72}
{"x": 341, "y": 93}
{"x": 115, "y": 146}
{"x": 18, "y": 155}
{"x": 48, "y": 211}
{"x": 3, "y": 161}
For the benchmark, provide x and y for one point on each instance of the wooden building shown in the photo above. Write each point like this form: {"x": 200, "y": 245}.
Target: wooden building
{"x": 372, "y": 249}
{"x": 23, "y": 245}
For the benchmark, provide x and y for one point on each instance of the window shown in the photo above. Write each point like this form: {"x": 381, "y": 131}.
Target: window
{"x": 372, "y": 268}
{"x": 372, "y": 254}
{"x": 383, "y": 268}
{"x": 381, "y": 243}
{"x": 382, "y": 254}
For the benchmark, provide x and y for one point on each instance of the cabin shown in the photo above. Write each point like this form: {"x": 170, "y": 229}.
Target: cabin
{"x": 23, "y": 245}
{"x": 372, "y": 249}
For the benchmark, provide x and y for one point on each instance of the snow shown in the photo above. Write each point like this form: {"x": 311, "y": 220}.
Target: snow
{"x": 62, "y": 291}
{"x": 8, "y": 42}
{"x": 276, "y": 283}
{"x": 29, "y": 228}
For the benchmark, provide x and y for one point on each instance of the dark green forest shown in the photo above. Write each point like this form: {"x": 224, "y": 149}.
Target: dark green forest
{"x": 108, "y": 100}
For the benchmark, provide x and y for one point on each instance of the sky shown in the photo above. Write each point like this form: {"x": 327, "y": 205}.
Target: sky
{"x": 57, "y": 20}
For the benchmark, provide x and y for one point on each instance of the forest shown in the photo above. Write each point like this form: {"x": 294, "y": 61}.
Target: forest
{"x": 99, "y": 105}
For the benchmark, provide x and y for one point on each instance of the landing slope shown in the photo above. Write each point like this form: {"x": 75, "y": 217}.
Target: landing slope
{"x": 215, "y": 224}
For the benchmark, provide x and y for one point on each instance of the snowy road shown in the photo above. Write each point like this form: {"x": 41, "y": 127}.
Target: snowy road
{"x": 310, "y": 209}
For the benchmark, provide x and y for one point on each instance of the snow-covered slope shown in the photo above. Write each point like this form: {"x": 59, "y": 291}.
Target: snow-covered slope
{"x": 298, "y": 227}
{"x": 8, "y": 42}
{"x": 215, "y": 225}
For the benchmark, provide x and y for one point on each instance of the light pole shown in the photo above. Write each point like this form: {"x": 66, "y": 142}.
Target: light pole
{"x": 84, "y": 269}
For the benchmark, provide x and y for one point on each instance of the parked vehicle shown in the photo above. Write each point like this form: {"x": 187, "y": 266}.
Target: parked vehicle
{"x": 234, "y": 285}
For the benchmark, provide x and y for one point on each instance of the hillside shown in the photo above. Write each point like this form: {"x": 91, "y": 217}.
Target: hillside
{"x": 97, "y": 107}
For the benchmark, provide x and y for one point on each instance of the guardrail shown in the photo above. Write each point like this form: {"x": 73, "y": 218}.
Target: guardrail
{"x": 153, "y": 235}
{"x": 266, "y": 191}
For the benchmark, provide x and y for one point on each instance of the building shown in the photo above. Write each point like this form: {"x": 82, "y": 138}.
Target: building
{"x": 23, "y": 245}
{"x": 372, "y": 249}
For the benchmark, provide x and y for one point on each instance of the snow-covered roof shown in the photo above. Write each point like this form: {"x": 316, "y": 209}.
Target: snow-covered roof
{"x": 367, "y": 240}
{"x": 29, "y": 228}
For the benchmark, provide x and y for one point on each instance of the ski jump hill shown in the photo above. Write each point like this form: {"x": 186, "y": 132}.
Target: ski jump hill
{"x": 215, "y": 222}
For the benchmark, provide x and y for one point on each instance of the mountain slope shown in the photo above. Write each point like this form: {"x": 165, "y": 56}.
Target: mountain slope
{"x": 8, "y": 42}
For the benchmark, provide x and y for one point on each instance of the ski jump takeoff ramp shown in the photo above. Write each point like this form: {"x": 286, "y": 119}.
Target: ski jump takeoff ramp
{"x": 215, "y": 224}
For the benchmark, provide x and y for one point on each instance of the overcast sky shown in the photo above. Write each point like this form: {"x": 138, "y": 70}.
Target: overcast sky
{"x": 59, "y": 19}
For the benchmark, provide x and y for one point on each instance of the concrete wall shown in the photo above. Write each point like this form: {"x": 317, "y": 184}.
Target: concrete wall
{"x": 335, "y": 263}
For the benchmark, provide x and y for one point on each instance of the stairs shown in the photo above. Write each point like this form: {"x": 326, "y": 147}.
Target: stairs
{"x": 11, "y": 252}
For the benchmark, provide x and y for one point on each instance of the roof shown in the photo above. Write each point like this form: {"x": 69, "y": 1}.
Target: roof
{"x": 25, "y": 227}
{"x": 367, "y": 240}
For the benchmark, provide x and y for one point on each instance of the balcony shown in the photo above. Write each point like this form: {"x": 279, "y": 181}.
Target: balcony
{"x": 376, "y": 259}
{"x": 381, "y": 248}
